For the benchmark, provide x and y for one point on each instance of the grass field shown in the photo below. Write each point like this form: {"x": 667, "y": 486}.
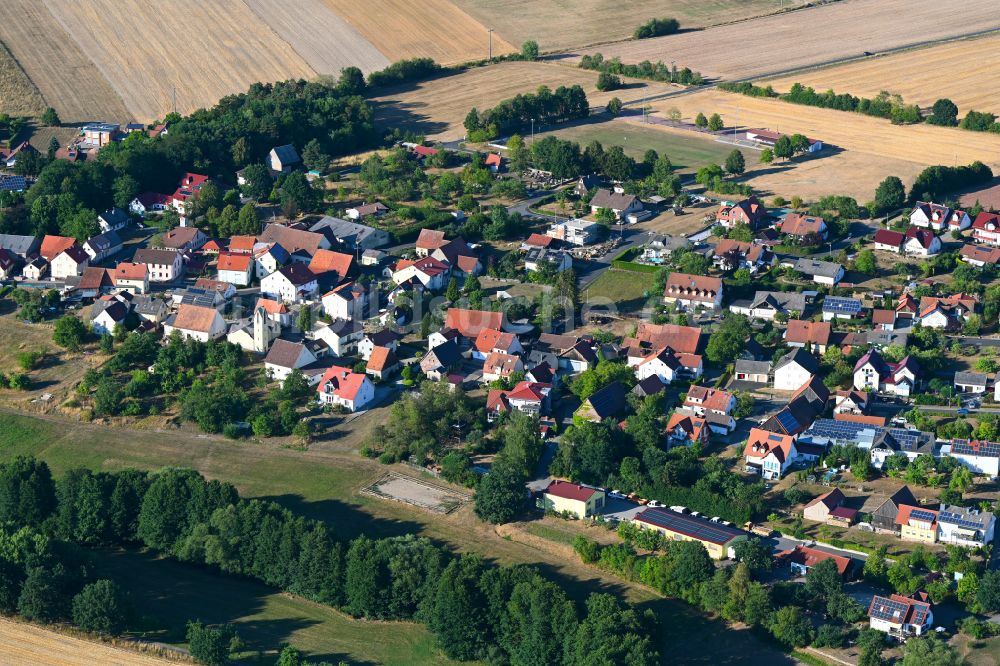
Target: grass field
{"x": 430, "y": 28}
{"x": 838, "y": 30}
{"x": 22, "y": 643}
{"x": 557, "y": 25}
{"x": 224, "y": 49}
{"x": 325, "y": 483}
{"x": 437, "y": 108}
{"x": 962, "y": 71}
{"x": 63, "y": 74}
{"x": 626, "y": 289}
{"x": 325, "y": 41}
{"x": 872, "y": 147}
{"x": 18, "y": 95}
{"x": 687, "y": 150}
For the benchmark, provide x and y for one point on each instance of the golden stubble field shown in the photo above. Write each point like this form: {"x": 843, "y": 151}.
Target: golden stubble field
{"x": 965, "y": 71}
{"x": 438, "y": 107}
{"x": 22, "y": 643}
{"x": 865, "y": 149}
{"x": 782, "y": 42}
{"x": 562, "y": 25}
{"x": 430, "y": 28}
{"x": 18, "y": 95}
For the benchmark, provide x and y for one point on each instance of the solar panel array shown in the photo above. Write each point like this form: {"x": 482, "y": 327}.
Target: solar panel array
{"x": 841, "y": 305}
{"x": 13, "y": 183}
{"x": 841, "y": 430}
{"x": 697, "y": 528}
{"x": 919, "y": 613}
{"x": 962, "y": 520}
{"x": 908, "y": 440}
{"x": 888, "y": 609}
{"x": 964, "y": 447}
{"x": 787, "y": 420}
{"x": 921, "y": 514}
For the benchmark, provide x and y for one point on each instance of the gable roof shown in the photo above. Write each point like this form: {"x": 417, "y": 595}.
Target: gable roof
{"x": 752, "y": 209}
{"x": 897, "y": 609}
{"x": 692, "y": 287}
{"x": 905, "y": 511}
{"x": 469, "y": 323}
{"x": 292, "y": 240}
{"x": 381, "y": 359}
{"x": 430, "y": 239}
{"x": 53, "y": 246}
{"x": 800, "y": 357}
{"x": 95, "y": 278}
{"x": 925, "y": 237}
{"x": 539, "y": 240}
{"x": 608, "y": 401}
{"x": 104, "y": 242}
{"x": 986, "y": 255}
{"x": 325, "y": 261}
{"x": 604, "y": 198}
{"x": 342, "y": 382}
{"x": 810, "y": 557}
{"x": 154, "y": 256}
{"x": 297, "y": 273}
{"x": 286, "y": 154}
{"x": 195, "y": 318}
{"x": 570, "y": 491}
{"x": 490, "y": 338}
{"x": 709, "y": 398}
{"x": 690, "y": 423}
{"x": 889, "y": 237}
{"x": 498, "y": 363}
{"x": 762, "y": 443}
{"x": 128, "y": 270}
{"x": 796, "y": 224}
{"x": 271, "y": 306}
{"x": 831, "y": 500}
{"x": 242, "y": 243}
{"x": 284, "y": 353}
{"x": 76, "y": 253}
{"x": 234, "y": 262}
{"x": 178, "y": 237}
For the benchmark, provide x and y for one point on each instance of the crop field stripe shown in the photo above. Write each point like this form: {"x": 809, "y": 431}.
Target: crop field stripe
{"x": 22, "y": 643}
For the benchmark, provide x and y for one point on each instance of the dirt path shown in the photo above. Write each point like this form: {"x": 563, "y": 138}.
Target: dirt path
{"x": 27, "y": 644}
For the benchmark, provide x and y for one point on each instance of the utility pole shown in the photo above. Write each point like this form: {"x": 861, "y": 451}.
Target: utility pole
{"x": 532, "y": 130}
{"x": 175, "y": 99}
{"x": 490, "y": 30}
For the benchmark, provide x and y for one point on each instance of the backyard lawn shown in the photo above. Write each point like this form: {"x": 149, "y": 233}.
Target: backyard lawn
{"x": 625, "y": 289}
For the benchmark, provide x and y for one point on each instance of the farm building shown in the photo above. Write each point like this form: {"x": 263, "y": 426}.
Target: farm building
{"x": 580, "y": 501}
{"x": 718, "y": 538}
{"x": 769, "y": 138}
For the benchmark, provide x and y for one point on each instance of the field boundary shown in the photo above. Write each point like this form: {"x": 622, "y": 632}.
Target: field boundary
{"x": 451, "y": 501}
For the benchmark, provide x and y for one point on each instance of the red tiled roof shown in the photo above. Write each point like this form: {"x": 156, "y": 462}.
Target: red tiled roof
{"x": 430, "y": 239}
{"x": 490, "y": 338}
{"x": 861, "y": 418}
{"x": 692, "y": 425}
{"x": 762, "y": 443}
{"x": 682, "y": 339}
{"x": 883, "y": 316}
{"x": 242, "y": 243}
{"x": 810, "y": 557}
{"x": 234, "y": 262}
{"x": 539, "y": 240}
{"x": 888, "y": 237}
{"x": 53, "y": 246}
{"x": 325, "y": 261}
{"x": 381, "y": 359}
{"x": 343, "y": 381}
{"x": 130, "y": 271}
{"x": 528, "y": 391}
{"x": 493, "y": 159}
{"x": 814, "y": 332}
{"x": 800, "y": 225}
{"x": 709, "y": 398}
{"x": 988, "y": 255}
{"x": 570, "y": 491}
{"x": 271, "y": 307}
{"x": 498, "y": 363}
{"x": 831, "y": 500}
{"x": 470, "y": 322}
{"x": 692, "y": 287}
{"x": 903, "y": 515}
{"x": 195, "y": 318}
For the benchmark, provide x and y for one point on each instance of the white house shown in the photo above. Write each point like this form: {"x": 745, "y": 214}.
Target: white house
{"x": 235, "y": 268}
{"x": 102, "y": 246}
{"x": 342, "y": 387}
{"x": 619, "y": 203}
{"x": 887, "y": 240}
{"x": 282, "y": 159}
{"x": 71, "y": 261}
{"x": 979, "y": 457}
{"x": 794, "y": 369}
{"x": 162, "y": 265}
{"x": 269, "y": 257}
{"x": 386, "y": 338}
{"x": 769, "y": 454}
{"x": 109, "y": 315}
{"x": 113, "y": 219}
{"x": 196, "y": 322}
{"x": 820, "y": 272}
{"x": 899, "y": 616}
{"x": 939, "y": 217}
{"x": 575, "y": 232}
{"x": 963, "y": 526}
{"x": 293, "y": 283}
{"x": 285, "y": 356}
{"x": 340, "y": 335}
{"x": 663, "y": 365}
{"x": 921, "y": 242}
{"x": 693, "y": 291}
{"x": 347, "y": 301}
{"x": 873, "y": 373}
{"x": 986, "y": 228}
{"x": 431, "y": 272}
{"x": 715, "y": 405}
{"x": 970, "y": 382}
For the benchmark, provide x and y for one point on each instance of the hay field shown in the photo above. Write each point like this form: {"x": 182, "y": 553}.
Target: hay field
{"x": 22, "y": 643}
{"x": 783, "y": 42}
{"x": 63, "y": 74}
{"x": 557, "y": 26}
{"x": 964, "y": 71}
{"x": 430, "y": 28}
{"x": 207, "y": 49}
{"x": 18, "y": 95}
{"x": 323, "y": 39}
{"x": 874, "y": 148}
{"x": 437, "y": 108}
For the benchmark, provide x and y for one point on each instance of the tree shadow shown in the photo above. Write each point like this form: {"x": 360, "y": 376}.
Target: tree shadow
{"x": 347, "y": 521}
{"x": 409, "y": 116}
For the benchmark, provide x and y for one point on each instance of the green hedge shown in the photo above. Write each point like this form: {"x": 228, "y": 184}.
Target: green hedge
{"x": 634, "y": 267}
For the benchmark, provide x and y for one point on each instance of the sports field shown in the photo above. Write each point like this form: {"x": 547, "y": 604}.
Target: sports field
{"x": 835, "y": 31}
{"x": 963, "y": 71}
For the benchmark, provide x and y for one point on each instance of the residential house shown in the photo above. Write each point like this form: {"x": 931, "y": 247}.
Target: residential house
{"x": 838, "y": 307}
{"x": 981, "y": 457}
{"x": 921, "y": 242}
{"x": 430, "y": 272}
{"x": 753, "y": 372}
{"x": 35, "y": 269}
{"x": 715, "y": 405}
{"x": 986, "y": 228}
{"x": 820, "y": 508}
{"x": 748, "y": 211}
{"x": 331, "y": 267}
{"x": 283, "y": 159}
{"x": 94, "y": 282}
{"x": 102, "y": 246}
{"x": 804, "y": 229}
{"x": 978, "y": 256}
{"x": 607, "y": 402}
{"x": 619, "y": 203}
{"x": 801, "y": 559}
{"x": 235, "y": 269}
{"x": 970, "y": 382}
{"x": 917, "y": 524}
{"x": 386, "y": 337}
{"x": 575, "y": 232}
{"x": 25, "y": 247}
{"x": 535, "y": 240}
{"x": 493, "y": 162}
{"x": 682, "y": 339}
{"x": 108, "y": 315}
{"x": 376, "y": 209}
{"x": 820, "y": 272}
{"x": 196, "y": 322}
{"x": 850, "y": 402}
{"x": 964, "y": 526}
{"x": 563, "y": 353}
{"x": 184, "y": 238}
{"x": 100, "y": 134}
{"x": 8, "y": 264}
{"x": 805, "y": 405}
{"x": 113, "y": 219}
{"x": 372, "y": 257}
{"x": 685, "y": 428}
{"x": 428, "y": 241}
{"x": 693, "y": 291}
{"x": 9, "y": 157}
{"x": 564, "y": 497}
{"x": 585, "y": 184}
{"x": 188, "y": 187}
{"x": 295, "y": 241}
{"x": 346, "y": 301}
{"x": 71, "y": 261}
{"x": 769, "y": 304}
{"x": 53, "y": 246}
{"x": 241, "y": 244}
{"x": 501, "y": 366}
{"x": 293, "y": 283}
{"x": 285, "y": 356}
{"x": 276, "y": 311}
{"x": 161, "y": 265}
{"x": 439, "y": 361}
{"x": 899, "y": 616}
{"x": 732, "y": 254}
{"x": 225, "y": 289}
{"x": 939, "y": 217}
{"x": 491, "y": 340}
{"x": 663, "y": 365}
{"x": 341, "y": 336}
{"x": 537, "y": 258}
{"x": 813, "y": 336}
{"x": 769, "y": 454}
{"x": 659, "y": 247}
{"x": 269, "y": 257}
{"x": 469, "y": 323}
{"x": 949, "y": 312}
{"x": 884, "y": 320}
{"x": 382, "y": 362}
{"x": 351, "y": 235}
{"x": 873, "y": 373}
{"x": 889, "y": 241}
{"x": 794, "y": 369}
{"x": 150, "y": 202}
{"x": 883, "y": 517}
{"x": 344, "y": 388}
{"x": 718, "y": 537}
{"x": 150, "y": 308}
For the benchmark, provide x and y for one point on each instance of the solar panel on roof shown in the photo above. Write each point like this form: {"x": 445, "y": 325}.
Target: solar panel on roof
{"x": 787, "y": 420}
{"x": 887, "y": 609}
{"x": 841, "y": 305}
{"x": 960, "y": 520}
{"x": 920, "y": 514}
{"x": 964, "y": 447}
{"x": 697, "y": 528}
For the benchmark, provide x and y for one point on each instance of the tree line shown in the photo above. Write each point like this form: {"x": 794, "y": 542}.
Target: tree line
{"x": 516, "y": 114}
{"x": 657, "y": 71}
{"x": 476, "y": 611}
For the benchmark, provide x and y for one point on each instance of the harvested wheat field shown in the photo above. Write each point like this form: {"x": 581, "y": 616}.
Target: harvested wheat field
{"x": 430, "y": 28}
{"x": 877, "y": 146}
{"x": 825, "y": 34}
{"x": 964, "y": 71}
{"x": 323, "y": 39}
{"x": 63, "y": 75}
{"x": 205, "y": 49}
{"x": 556, "y": 27}
{"x": 27, "y": 644}
{"x": 18, "y": 95}
{"x": 436, "y": 108}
